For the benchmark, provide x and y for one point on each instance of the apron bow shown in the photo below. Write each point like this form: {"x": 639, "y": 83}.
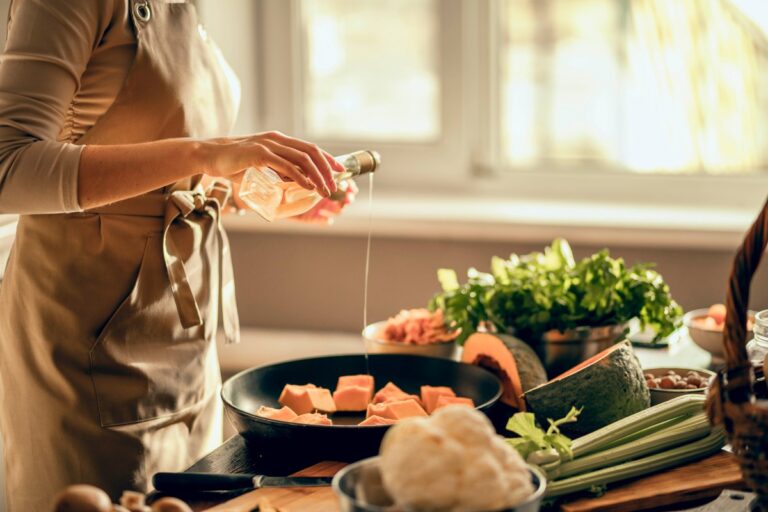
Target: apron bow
{"x": 181, "y": 205}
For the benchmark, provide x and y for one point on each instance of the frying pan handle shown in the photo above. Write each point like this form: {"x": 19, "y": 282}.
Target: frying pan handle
{"x": 197, "y": 482}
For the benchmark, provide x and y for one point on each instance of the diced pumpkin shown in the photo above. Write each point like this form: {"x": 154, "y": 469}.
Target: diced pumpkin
{"x": 282, "y": 414}
{"x": 430, "y": 394}
{"x": 392, "y": 393}
{"x": 313, "y": 418}
{"x": 444, "y": 400}
{"x": 355, "y": 380}
{"x": 512, "y": 360}
{"x": 352, "y": 398}
{"x": 375, "y": 421}
{"x": 307, "y": 398}
{"x": 396, "y": 410}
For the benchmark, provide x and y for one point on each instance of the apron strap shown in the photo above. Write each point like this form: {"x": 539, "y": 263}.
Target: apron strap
{"x": 182, "y": 203}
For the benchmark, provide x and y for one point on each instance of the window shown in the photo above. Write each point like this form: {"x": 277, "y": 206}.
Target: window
{"x": 367, "y": 75}
{"x": 634, "y": 100}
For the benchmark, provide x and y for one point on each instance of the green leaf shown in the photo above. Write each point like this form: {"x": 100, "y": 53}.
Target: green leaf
{"x": 448, "y": 279}
{"x": 533, "y": 438}
{"x": 524, "y": 425}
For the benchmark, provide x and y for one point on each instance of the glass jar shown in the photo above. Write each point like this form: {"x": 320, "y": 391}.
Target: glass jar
{"x": 757, "y": 348}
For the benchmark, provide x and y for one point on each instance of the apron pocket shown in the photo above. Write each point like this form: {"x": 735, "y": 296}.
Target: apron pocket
{"x": 144, "y": 364}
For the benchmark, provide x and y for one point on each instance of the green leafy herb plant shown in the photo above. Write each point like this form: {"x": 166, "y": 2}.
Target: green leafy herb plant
{"x": 532, "y": 294}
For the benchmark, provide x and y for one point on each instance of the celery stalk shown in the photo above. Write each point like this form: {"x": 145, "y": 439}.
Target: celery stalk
{"x": 683, "y": 432}
{"x": 656, "y": 462}
{"x": 681, "y": 407}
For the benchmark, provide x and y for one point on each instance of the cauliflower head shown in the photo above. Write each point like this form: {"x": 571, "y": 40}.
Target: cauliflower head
{"x": 452, "y": 461}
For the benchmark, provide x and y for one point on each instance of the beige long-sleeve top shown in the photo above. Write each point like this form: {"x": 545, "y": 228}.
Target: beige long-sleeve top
{"x": 64, "y": 63}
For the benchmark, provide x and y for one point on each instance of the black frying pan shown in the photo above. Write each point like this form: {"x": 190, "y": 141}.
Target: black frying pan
{"x": 246, "y": 391}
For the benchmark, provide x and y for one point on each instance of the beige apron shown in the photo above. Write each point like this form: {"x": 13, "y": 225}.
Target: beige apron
{"x": 108, "y": 318}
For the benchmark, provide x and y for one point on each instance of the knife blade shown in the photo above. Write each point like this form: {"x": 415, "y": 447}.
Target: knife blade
{"x": 202, "y": 482}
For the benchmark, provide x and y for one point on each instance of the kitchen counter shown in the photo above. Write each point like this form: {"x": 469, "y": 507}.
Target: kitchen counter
{"x": 237, "y": 455}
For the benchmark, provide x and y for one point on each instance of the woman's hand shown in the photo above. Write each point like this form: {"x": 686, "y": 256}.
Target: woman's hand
{"x": 112, "y": 173}
{"x": 327, "y": 209}
{"x": 293, "y": 159}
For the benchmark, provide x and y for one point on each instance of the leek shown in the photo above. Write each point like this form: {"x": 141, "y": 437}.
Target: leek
{"x": 707, "y": 445}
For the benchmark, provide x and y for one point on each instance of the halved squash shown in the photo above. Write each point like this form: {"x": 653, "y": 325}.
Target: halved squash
{"x": 608, "y": 387}
{"x": 512, "y": 360}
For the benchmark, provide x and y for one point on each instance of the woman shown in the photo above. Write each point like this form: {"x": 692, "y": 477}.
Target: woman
{"x": 120, "y": 272}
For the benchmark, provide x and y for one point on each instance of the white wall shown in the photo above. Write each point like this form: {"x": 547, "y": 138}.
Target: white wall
{"x": 236, "y": 31}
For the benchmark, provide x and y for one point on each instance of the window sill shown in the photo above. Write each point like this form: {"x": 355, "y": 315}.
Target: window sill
{"x": 398, "y": 215}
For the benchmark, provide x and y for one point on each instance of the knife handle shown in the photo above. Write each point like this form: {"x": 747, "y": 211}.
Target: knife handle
{"x": 196, "y": 482}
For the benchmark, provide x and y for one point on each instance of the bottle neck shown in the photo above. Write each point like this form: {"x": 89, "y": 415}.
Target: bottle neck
{"x": 360, "y": 162}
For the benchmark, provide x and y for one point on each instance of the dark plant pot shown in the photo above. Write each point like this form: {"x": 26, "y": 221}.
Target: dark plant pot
{"x": 560, "y": 351}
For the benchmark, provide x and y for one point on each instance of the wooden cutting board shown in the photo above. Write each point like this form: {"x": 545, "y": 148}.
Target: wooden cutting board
{"x": 686, "y": 484}
{"x": 679, "y": 486}
{"x": 304, "y": 499}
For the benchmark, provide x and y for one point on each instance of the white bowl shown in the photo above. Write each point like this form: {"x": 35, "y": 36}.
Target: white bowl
{"x": 376, "y": 345}
{"x": 710, "y": 340}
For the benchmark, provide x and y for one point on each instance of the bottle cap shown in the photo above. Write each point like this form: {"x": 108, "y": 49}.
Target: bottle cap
{"x": 369, "y": 160}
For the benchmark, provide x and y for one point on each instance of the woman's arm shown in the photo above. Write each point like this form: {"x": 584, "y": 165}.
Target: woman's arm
{"x": 48, "y": 48}
{"x": 112, "y": 173}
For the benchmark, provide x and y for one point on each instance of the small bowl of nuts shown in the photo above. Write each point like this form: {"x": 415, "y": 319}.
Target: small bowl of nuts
{"x": 668, "y": 383}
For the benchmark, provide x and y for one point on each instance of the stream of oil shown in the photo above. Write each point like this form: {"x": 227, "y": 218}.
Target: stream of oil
{"x": 367, "y": 268}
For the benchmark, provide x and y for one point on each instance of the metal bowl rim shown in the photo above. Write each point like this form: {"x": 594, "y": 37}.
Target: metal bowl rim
{"x": 583, "y": 333}
{"x": 285, "y": 424}
{"x": 336, "y": 482}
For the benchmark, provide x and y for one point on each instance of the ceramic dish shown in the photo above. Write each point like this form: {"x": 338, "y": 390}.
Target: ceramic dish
{"x": 710, "y": 340}
{"x": 659, "y": 395}
{"x": 375, "y": 345}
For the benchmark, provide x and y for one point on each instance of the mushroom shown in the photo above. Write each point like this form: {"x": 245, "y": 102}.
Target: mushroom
{"x": 133, "y": 501}
{"x": 170, "y": 505}
{"x": 83, "y": 498}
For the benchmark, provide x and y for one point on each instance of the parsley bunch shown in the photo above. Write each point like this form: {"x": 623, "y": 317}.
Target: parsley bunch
{"x": 531, "y": 294}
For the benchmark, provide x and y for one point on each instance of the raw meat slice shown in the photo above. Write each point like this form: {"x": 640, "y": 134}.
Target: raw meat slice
{"x": 375, "y": 421}
{"x": 430, "y": 394}
{"x": 282, "y": 414}
{"x": 396, "y": 410}
{"x": 307, "y": 398}
{"x": 313, "y": 418}
{"x": 453, "y": 400}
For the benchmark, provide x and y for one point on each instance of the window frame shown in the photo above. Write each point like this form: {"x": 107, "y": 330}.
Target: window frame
{"x": 467, "y": 158}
